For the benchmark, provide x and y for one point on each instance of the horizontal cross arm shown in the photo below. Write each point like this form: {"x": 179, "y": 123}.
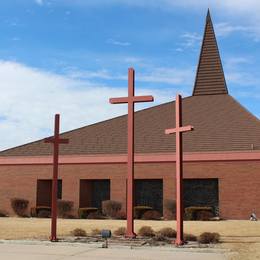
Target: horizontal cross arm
{"x": 179, "y": 129}
{"x": 119, "y": 100}
{"x": 52, "y": 140}
{"x": 63, "y": 141}
{"x": 143, "y": 99}
{"x": 135, "y": 99}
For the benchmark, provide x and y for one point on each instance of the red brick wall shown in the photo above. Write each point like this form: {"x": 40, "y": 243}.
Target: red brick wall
{"x": 239, "y": 182}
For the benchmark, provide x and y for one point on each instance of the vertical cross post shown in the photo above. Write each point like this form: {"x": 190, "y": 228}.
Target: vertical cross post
{"x": 56, "y": 140}
{"x": 178, "y": 130}
{"x": 131, "y": 100}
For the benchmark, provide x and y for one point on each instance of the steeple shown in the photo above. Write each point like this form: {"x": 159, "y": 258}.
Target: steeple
{"x": 210, "y": 78}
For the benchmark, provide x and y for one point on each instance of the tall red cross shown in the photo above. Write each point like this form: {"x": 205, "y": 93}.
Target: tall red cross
{"x": 178, "y": 130}
{"x": 56, "y": 140}
{"x": 131, "y": 100}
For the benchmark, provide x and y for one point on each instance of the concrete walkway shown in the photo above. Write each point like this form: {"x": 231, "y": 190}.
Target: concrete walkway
{"x": 24, "y": 250}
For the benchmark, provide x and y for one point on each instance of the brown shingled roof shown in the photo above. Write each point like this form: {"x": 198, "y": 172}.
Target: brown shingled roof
{"x": 210, "y": 79}
{"x": 220, "y": 123}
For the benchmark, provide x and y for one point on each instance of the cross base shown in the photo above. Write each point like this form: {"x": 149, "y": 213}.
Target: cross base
{"x": 178, "y": 242}
{"x": 130, "y": 235}
{"x": 53, "y": 239}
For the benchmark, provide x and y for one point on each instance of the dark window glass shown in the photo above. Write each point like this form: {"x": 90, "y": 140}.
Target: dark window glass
{"x": 149, "y": 193}
{"x": 201, "y": 192}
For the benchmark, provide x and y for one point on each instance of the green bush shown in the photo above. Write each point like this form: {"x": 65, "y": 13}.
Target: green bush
{"x": 64, "y": 208}
{"x": 84, "y": 212}
{"x": 146, "y": 231}
{"x": 20, "y": 206}
{"x": 79, "y": 232}
{"x": 121, "y": 231}
{"x": 191, "y": 213}
{"x": 140, "y": 210}
{"x": 209, "y": 238}
{"x": 167, "y": 232}
{"x": 152, "y": 215}
{"x": 110, "y": 208}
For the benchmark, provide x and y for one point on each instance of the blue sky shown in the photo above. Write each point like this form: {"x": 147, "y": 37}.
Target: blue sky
{"x": 70, "y": 56}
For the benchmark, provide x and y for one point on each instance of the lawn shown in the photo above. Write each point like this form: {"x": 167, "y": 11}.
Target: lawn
{"x": 241, "y": 236}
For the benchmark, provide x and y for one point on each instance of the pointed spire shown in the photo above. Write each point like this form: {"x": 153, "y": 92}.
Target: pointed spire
{"x": 210, "y": 78}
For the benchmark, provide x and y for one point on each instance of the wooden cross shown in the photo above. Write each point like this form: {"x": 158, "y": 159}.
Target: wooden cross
{"x": 178, "y": 130}
{"x": 131, "y": 100}
{"x": 56, "y": 140}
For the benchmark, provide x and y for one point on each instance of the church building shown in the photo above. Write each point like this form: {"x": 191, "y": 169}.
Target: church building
{"x": 221, "y": 156}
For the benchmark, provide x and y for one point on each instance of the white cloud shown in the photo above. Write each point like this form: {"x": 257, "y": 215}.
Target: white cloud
{"x": 163, "y": 75}
{"x": 191, "y": 40}
{"x": 240, "y": 78}
{"x": 225, "y": 29}
{"x": 39, "y": 2}
{"x": 171, "y": 76}
{"x": 87, "y": 74}
{"x": 179, "y": 49}
{"x": 237, "y": 74}
{"x": 30, "y": 98}
{"x": 232, "y": 62}
{"x": 115, "y": 42}
{"x": 245, "y": 12}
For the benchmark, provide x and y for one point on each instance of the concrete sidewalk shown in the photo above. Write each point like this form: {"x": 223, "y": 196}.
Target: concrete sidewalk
{"x": 24, "y": 250}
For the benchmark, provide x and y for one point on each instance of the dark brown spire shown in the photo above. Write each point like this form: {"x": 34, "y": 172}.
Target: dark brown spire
{"x": 210, "y": 79}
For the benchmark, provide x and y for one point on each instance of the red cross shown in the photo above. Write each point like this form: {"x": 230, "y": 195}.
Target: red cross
{"x": 178, "y": 130}
{"x": 131, "y": 100}
{"x": 56, "y": 140}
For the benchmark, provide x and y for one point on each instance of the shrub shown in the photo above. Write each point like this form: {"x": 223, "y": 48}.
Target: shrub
{"x": 120, "y": 215}
{"x": 33, "y": 212}
{"x": 170, "y": 208}
{"x": 121, "y": 231}
{"x": 3, "y": 214}
{"x": 44, "y": 214}
{"x": 190, "y": 237}
{"x": 204, "y": 215}
{"x": 95, "y": 215}
{"x": 84, "y": 212}
{"x": 167, "y": 232}
{"x": 79, "y": 232}
{"x": 207, "y": 238}
{"x": 38, "y": 209}
{"x": 146, "y": 231}
{"x": 152, "y": 215}
{"x": 192, "y": 212}
{"x": 95, "y": 232}
{"x": 160, "y": 238}
{"x": 69, "y": 216}
{"x": 64, "y": 207}
{"x": 19, "y": 206}
{"x": 140, "y": 210}
{"x": 111, "y": 207}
